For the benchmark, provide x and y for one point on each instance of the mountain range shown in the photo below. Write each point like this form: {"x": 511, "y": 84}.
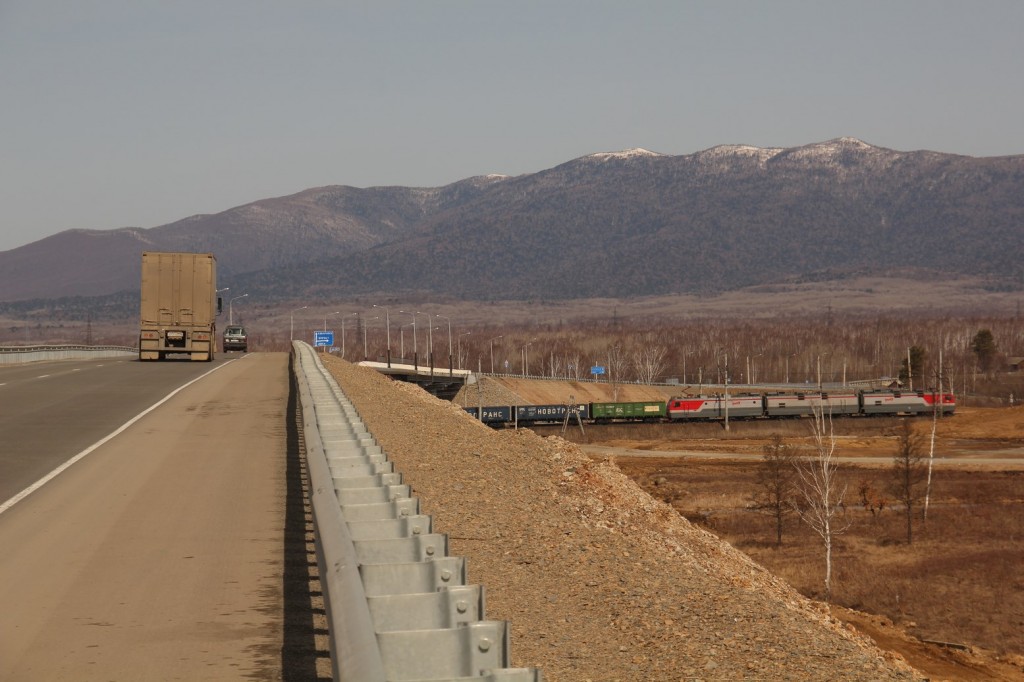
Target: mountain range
{"x": 618, "y": 224}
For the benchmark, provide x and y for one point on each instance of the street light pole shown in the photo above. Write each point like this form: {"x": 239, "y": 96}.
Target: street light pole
{"x": 365, "y": 355}
{"x": 415, "y": 347}
{"x": 449, "y": 320}
{"x": 387, "y": 323}
{"x": 459, "y": 347}
{"x": 430, "y": 340}
{"x": 684, "y": 364}
{"x": 491, "y": 343}
{"x": 291, "y": 333}
{"x": 526, "y": 357}
{"x": 401, "y": 340}
{"x": 726, "y": 391}
{"x": 726, "y": 385}
{"x": 336, "y": 312}
{"x": 231, "y": 313}
{"x": 343, "y": 332}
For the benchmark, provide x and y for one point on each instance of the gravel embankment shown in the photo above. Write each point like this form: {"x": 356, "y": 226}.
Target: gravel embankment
{"x": 599, "y": 580}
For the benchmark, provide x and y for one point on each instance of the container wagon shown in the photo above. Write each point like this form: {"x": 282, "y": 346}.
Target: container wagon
{"x": 179, "y": 305}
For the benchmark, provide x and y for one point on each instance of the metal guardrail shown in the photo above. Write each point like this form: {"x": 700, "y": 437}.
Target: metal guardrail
{"x": 398, "y": 607}
{"x": 12, "y": 355}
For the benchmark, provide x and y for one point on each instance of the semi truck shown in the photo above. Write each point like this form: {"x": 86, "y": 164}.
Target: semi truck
{"x": 179, "y": 305}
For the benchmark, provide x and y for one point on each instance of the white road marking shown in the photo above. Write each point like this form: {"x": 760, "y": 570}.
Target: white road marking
{"x": 81, "y": 455}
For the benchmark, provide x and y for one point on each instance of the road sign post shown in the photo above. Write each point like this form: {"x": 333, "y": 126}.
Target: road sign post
{"x": 323, "y": 339}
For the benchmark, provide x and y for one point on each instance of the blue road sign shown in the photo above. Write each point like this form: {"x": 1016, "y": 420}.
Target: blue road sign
{"x": 323, "y": 339}
{"x": 597, "y": 370}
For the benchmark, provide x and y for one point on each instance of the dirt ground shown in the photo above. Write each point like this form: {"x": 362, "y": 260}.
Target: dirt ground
{"x": 976, "y": 439}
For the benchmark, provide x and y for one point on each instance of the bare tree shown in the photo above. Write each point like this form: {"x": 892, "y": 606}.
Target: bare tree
{"x": 777, "y": 479}
{"x": 555, "y": 365}
{"x": 616, "y": 368}
{"x": 908, "y": 471}
{"x": 572, "y": 366}
{"x": 649, "y": 361}
{"x": 821, "y": 490}
{"x": 937, "y": 403}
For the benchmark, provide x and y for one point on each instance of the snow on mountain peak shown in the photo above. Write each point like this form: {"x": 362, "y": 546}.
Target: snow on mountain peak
{"x": 636, "y": 152}
{"x": 762, "y": 154}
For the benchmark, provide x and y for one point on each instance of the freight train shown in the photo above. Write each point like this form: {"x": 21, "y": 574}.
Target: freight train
{"x": 844, "y": 402}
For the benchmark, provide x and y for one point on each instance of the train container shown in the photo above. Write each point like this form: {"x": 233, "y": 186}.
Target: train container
{"x": 547, "y": 414}
{"x": 633, "y": 411}
{"x": 496, "y": 414}
{"x": 178, "y": 305}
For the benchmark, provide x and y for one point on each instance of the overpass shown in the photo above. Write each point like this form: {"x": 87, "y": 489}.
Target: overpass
{"x": 441, "y": 382}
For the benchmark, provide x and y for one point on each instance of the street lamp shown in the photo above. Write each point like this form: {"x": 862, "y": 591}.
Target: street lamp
{"x": 684, "y": 364}
{"x": 449, "y": 320}
{"x": 231, "y": 312}
{"x": 343, "y": 332}
{"x": 387, "y": 323}
{"x": 415, "y": 358}
{"x": 430, "y": 340}
{"x": 459, "y": 347}
{"x": 752, "y": 367}
{"x": 526, "y": 357}
{"x": 726, "y": 385}
{"x": 491, "y": 344}
{"x": 291, "y": 333}
{"x": 336, "y": 312}
{"x": 401, "y": 340}
{"x": 365, "y": 355}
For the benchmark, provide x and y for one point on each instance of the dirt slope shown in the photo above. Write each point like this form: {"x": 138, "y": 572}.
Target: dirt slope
{"x": 599, "y": 580}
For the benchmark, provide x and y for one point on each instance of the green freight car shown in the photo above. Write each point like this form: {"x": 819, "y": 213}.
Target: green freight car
{"x": 641, "y": 411}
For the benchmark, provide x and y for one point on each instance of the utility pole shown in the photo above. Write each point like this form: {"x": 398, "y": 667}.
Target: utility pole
{"x": 726, "y": 385}
{"x": 910, "y": 371}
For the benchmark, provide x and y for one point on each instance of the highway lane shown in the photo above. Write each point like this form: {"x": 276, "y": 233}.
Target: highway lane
{"x": 158, "y": 556}
{"x": 50, "y": 411}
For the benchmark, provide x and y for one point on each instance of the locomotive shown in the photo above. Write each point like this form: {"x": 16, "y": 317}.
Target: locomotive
{"x": 848, "y": 403}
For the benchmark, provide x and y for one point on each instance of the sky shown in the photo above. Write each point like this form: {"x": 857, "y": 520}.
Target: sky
{"x": 118, "y": 113}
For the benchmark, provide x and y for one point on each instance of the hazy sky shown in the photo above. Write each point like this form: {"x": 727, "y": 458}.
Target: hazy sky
{"x": 119, "y": 113}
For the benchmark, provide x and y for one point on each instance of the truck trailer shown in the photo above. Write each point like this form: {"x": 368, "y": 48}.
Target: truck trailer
{"x": 179, "y": 305}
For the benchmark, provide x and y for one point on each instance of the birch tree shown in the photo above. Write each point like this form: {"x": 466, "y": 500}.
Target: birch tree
{"x": 821, "y": 490}
{"x": 937, "y": 403}
{"x": 572, "y": 366}
{"x": 616, "y": 368}
{"x": 649, "y": 362}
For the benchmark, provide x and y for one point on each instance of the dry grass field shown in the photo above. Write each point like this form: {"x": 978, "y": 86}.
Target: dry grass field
{"x": 951, "y": 602}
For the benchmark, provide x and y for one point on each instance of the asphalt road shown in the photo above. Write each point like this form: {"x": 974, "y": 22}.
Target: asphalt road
{"x": 159, "y": 554}
{"x": 50, "y": 411}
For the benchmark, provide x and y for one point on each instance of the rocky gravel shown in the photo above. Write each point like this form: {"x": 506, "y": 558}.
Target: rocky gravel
{"x": 599, "y": 580}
